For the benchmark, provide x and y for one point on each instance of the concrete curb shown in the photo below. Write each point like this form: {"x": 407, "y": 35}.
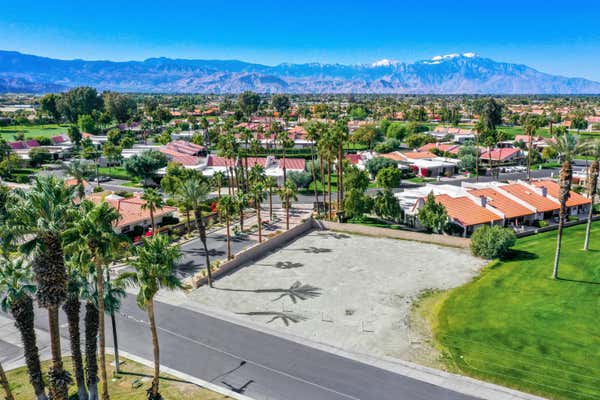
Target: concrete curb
{"x": 457, "y": 383}
{"x": 182, "y": 376}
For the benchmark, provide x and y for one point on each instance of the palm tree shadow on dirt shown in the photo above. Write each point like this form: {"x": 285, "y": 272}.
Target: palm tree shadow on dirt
{"x": 287, "y": 265}
{"x": 297, "y": 291}
{"x": 285, "y": 317}
{"x": 333, "y": 235}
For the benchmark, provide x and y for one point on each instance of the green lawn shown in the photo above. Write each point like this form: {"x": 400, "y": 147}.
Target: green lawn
{"x": 8, "y": 132}
{"x": 116, "y": 172}
{"x": 130, "y": 384}
{"x": 516, "y": 326}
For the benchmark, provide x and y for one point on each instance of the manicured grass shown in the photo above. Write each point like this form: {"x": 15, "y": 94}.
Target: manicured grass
{"x": 115, "y": 173}
{"x": 418, "y": 179}
{"x": 130, "y": 384}
{"x": 375, "y": 222}
{"x": 516, "y": 326}
{"x": 8, "y": 132}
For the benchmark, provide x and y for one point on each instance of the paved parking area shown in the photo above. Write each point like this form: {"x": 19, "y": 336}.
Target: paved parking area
{"x": 349, "y": 291}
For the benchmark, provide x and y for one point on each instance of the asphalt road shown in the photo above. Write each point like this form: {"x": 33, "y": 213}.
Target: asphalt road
{"x": 262, "y": 366}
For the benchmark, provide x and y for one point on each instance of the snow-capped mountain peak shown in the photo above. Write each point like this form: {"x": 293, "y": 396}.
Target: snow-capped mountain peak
{"x": 384, "y": 63}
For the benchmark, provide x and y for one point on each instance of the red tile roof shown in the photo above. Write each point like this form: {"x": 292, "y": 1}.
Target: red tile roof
{"x": 449, "y": 148}
{"x": 530, "y": 196}
{"x": 131, "y": 209}
{"x": 466, "y": 211}
{"x": 553, "y": 188}
{"x": 499, "y": 154}
{"x": 502, "y": 203}
{"x": 353, "y": 158}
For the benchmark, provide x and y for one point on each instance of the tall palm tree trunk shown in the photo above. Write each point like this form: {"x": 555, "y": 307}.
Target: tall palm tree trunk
{"x": 72, "y": 308}
{"x": 202, "y": 234}
{"x": 314, "y": 173}
{"x": 566, "y": 174}
{"x": 113, "y": 323}
{"x": 323, "y": 181}
{"x": 154, "y": 394}
{"x": 23, "y": 314}
{"x": 529, "y": 158}
{"x": 287, "y": 212}
{"x": 259, "y": 221}
{"x": 227, "y": 222}
{"x": 58, "y": 378}
{"x": 4, "y": 382}
{"x": 340, "y": 185}
{"x": 329, "y": 187}
{"x": 101, "y": 329}
{"x": 91, "y": 347}
{"x": 152, "y": 221}
{"x": 593, "y": 188}
{"x": 271, "y": 204}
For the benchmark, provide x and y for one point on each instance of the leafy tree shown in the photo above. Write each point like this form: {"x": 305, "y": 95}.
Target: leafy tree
{"x": 356, "y": 179}
{"x": 491, "y": 114}
{"x": 389, "y": 177}
{"x": 87, "y": 124}
{"x": 248, "y": 102}
{"x": 396, "y": 130}
{"x": 377, "y": 163}
{"x": 416, "y": 140}
{"x": 433, "y": 215}
{"x": 386, "y": 205}
{"x": 300, "y": 178}
{"x": 120, "y": 106}
{"x": 74, "y": 134}
{"x": 154, "y": 270}
{"x": 358, "y": 113}
{"x": 49, "y": 105}
{"x": 146, "y": 164}
{"x": 79, "y": 101}
{"x": 39, "y": 156}
{"x": 492, "y": 241}
{"x": 387, "y": 146}
{"x": 367, "y": 135}
{"x": 281, "y": 103}
{"x": 356, "y": 203}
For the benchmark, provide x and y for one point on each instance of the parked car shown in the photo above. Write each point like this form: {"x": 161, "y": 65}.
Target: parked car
{"x": 104, "y": 179}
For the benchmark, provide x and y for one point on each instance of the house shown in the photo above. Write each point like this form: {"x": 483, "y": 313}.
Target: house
{"x": 457, "y": 135}
{"x": 501, "y": 156}
{"x": 515, "y": 204}
{"x": 424, "y": 163}
{"x": 273, "y": 167}
{"x": 442, "y": 147}
{"x": 132, "y": 212}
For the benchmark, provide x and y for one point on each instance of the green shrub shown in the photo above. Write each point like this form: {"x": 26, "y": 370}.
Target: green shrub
{"x": 492, "y": 241}
{"x": 98, "y": 189}
{"x": 541, "y": 223}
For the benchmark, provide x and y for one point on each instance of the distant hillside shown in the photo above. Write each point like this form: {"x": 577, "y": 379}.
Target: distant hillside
{"x": 450, "y": 74}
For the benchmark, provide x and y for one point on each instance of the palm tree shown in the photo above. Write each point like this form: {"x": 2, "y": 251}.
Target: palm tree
{"x": 566, "y": 146}
{"x": 195, "y": 190}
{"x": 154, "y": 266}
{"x": 5, "y": 385}
{"x": 340, "y": 136}
{"x": 529, "y": 131}
{"x": 227, "y": 206}
{"x": 72, "y": 309}
{"x": 593, "y": 150}
{"x": 154, "y": 201}
{"x": 37, "y": 219}
{"x": 288, "y": 193}
{"x": 241, "y": 199}
{"x": 271, "y": 184}
{"x": 17, "y": 289}
{"x": 113, "y": 294}
{"x": 218, "y": 178}
{"x": 313, "y": 131}
{"x": 93, "y": 230}
{"x": 257, "y": 194}
{"x": 91, "y": 344}
{"x": 80, "y": 171}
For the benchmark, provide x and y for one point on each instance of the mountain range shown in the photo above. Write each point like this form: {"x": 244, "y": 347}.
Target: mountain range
{"x": 465, "y": 73}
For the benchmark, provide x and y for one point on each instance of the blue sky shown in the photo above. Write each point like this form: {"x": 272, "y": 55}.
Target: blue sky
{"x": 553, "y": 36}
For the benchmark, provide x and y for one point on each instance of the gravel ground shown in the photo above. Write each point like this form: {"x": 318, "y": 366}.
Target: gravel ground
{"x": 349, "y": 291}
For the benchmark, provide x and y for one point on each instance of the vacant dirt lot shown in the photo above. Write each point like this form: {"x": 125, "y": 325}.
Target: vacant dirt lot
{"x": 349, "y": 291}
